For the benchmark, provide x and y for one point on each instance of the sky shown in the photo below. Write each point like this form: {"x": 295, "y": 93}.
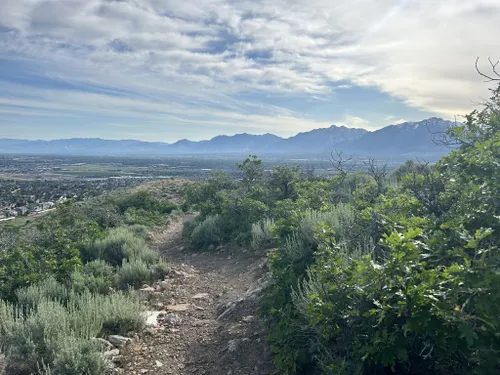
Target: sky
{"x": 164, "y": 70}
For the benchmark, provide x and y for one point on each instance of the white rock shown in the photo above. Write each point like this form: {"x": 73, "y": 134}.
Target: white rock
{"x": 147, "y": 289}
{"x": 248, "y": 319}
{"x": 151, "y": 318}
{"x": 201, "y": 296}
{"x": 119, "y": 341}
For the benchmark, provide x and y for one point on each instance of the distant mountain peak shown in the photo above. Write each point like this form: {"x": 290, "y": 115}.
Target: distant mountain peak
{"x": 408, "y": 138}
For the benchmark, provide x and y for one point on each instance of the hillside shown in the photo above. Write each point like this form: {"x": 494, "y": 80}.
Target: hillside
{"x": 407, "y": 139}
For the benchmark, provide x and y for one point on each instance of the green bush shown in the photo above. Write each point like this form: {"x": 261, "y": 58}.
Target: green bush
{"x": 139, "y": 230}
{"x": 188, "y": 228}
{"x": 161, "y": 269}
{"x": 133, "y": 273}
{"x": 77, "y": 356}
{"x": 340, "y": 218}
{"x": 56, "y": 339}
{"x": 3, "y": 364}
{"x": 29, "y": 298}
{"x": 98, "y": 315}
{"x": 81, "y": 282}
{"x": 42, "y": 339}
{"x": 207, "y": 233}
{"x": 144, "y": 200}
{"x": 120, "y": 244}
{"x": 262, "y": 235}
{"x": 98, "y": 268}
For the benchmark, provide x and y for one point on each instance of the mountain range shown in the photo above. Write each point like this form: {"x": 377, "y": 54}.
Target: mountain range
{"x": 409, "y": 139}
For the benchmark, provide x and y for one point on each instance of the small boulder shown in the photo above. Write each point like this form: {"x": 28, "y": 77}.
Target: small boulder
{"x": 151, "y": 318}
{"x": 172, "y": 319}
{"x": 111, "y": 353}
{"x": 179, "y": 307}
{"x": 118, "y": 359}
{"x": 201, "y": 296}
{"x": 102, "y": 344}
{"x": 163, "y": 285}
{"x": 248, "y": 319}
{"x": 119, "y": 341}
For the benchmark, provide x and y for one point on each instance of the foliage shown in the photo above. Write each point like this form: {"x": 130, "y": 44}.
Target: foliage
{"x": 98, "y": 268}
{"x": 28, "y": 298}
{"x": 119, "y": 244}
{"x": 207, "y": 233}
{"x": 340, "y": 218}
{"x": 282, "y": 181}
{"x": 81, "y": 282}
{"x": 46, "y": 338}
{"x": 252, "y": 170}
{"x": 160, "y": 269}
{"x": 133, "y": 273}
{"x": 139, "y": 230}
{"x": 262, "y": 235}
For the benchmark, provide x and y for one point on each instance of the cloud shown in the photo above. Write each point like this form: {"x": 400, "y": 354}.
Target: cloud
{"x": 393, "y": 120}
{"x": 199, "y": 60}
{"x": 355, "y": 122}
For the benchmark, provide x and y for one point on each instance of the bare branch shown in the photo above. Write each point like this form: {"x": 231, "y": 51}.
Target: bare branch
{"x": 377, "y": 171}
{"x": 343, "y": 166}
{"x": 493, "y": 68}
{"x": 443, "y": 138}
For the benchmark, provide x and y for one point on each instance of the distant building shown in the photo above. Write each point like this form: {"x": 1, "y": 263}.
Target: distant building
{"x": 48, "y": 205}
{"x": 11, "y": 213}
{"x": 22, "y": 211}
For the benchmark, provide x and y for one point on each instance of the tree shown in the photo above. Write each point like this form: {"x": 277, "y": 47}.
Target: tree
{"x": 378, "y": 171}
{"x": 283, "y": 179}
{"x": 252, "y": 170}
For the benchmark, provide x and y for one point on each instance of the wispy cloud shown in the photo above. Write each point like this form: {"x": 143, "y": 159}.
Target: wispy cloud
{"x": 216, "y": 63}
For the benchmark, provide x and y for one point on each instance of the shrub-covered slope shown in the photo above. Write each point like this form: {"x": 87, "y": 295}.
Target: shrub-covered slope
{"x": 69, "y": 278}
{"x": 374, "y": 273}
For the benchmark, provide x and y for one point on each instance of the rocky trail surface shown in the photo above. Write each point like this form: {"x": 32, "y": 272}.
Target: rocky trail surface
{"x": 202, "y": 319}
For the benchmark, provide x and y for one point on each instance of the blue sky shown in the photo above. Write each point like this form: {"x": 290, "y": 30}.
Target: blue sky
{"x": 163, "y": 70}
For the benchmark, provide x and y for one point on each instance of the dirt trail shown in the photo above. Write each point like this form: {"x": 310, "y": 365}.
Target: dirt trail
{"x": 209, "y": 323}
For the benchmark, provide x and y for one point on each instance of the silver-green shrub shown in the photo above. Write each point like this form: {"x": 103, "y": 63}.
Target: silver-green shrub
{"x": 50, "y": 289}
{"x": 120, "y": 243}
{"x": 57, "y": 339}
{"x": 133, "y": 273}
{"x": 262, "y": 235}
{"x": 81, "y": 282}
{"x": 208, "y": 232}
{"x": 341, "y": 218}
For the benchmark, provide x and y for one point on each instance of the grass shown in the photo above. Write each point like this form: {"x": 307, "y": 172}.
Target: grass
{"x": 20, "y": 221}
